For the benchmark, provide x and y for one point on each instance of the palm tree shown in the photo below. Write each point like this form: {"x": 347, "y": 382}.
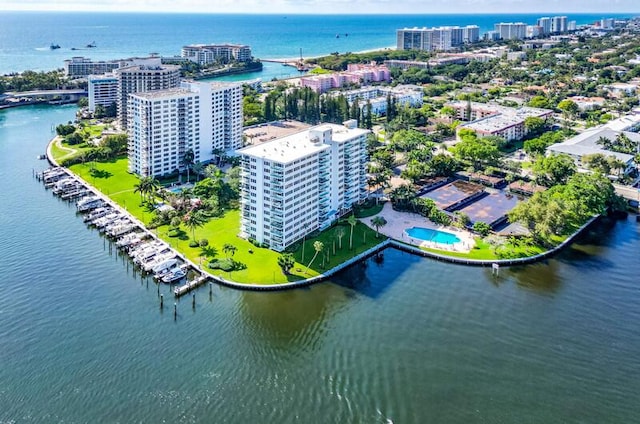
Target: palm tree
{"x": 146, "y": 186}
{"x": 187, "y": 160}
{"x": 352, "y": 221}
{"x": 340, "y": 234}
{"x": 140, "y": 188}
{"x": 193, "y": 220}
{"x": 229, "y": 249}
{"x": 198, "y": 168}
{"x": 378, "y": 221}
{"x": 318, "y": 246}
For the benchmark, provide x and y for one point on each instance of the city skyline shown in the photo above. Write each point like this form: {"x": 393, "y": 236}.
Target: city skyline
{"x": 329, "y": 6}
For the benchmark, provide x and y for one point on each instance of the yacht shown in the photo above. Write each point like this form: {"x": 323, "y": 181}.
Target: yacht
{"x": 174, "y": 276}
{"x": 157, "y": 260}
{"x": 164, "y": 266}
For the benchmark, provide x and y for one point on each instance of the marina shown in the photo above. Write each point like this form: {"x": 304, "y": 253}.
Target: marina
{"x": 150, "y": 254}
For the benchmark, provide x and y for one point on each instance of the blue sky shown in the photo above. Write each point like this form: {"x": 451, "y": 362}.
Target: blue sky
{"x": 608, "y": 7}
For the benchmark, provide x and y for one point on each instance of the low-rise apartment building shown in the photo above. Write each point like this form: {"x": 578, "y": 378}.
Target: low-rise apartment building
{"x": 205, "y": 54}
{"x": 494, "y": 120}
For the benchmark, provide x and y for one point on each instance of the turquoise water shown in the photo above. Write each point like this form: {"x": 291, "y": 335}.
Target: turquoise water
{"x": 25, "y": 36}
{"x": 428, "y": 234}
{"x": 402, "y": 340}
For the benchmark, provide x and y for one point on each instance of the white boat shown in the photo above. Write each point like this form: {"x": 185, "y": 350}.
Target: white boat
{"x": 158, "y": 259}
{"x": 122, "y": 229}
{"x": 124, "y": 240}
{"x": 98, "y": 212}
{"x": 173, "y": 276}
{"x": 109, "y": 219}
{"x": 164, "y": 266}
{"x": 147, "y": 255}
{"x": 64, "y": 184}
{"x": 88, "y": 203}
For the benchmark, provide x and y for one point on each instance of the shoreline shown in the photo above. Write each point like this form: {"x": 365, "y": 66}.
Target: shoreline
{"x": 380, "y": 247}
{"x": 296, "y": 59}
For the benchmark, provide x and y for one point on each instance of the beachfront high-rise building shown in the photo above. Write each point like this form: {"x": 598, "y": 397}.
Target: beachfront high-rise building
{"x": 470, "y": 34}
{"x": 436, "y": 39}
{"x": 205, "y": 54}
{"x": 142, "y": 78}
{"x": 164, "y": 124}
{"x": 558, "y": 24}
{"x": 303, "y": 182}
{"x": 103, "y": 90}
{"x": 511, "y": 31}
{"x": 545, "y": 24}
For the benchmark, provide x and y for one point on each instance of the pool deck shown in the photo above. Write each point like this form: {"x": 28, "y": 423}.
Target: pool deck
{"x": 398, "y": 222}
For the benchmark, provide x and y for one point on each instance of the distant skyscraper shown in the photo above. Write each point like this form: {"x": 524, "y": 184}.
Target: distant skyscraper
{"x": 559, "y": 24}
{"x": 436, "y": 39}
{"x": 607, "y": 23}
{"x": 545, "y": 24}
{"x": 511, "y": 31}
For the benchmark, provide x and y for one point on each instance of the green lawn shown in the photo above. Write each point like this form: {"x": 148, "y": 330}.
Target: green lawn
{"x": 61, "y": 153}
{"x": 94, "y": 130}
{"x": 112, "y": 179}
{"x": 364, "y": 238}
{"x": 370, "y": 211}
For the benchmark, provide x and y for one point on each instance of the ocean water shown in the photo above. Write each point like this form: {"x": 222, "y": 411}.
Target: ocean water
{"x": 25, "y": 37}
{"x": 405, "y": 340}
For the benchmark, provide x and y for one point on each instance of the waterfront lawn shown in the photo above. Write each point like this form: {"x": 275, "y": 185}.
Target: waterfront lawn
{"x": 60, "y": 150}
{"x": 93, "y": 130}
{"x": 364, "y": 238}
{"x": 113, "y": 179}
{"x": 261, "y": 264}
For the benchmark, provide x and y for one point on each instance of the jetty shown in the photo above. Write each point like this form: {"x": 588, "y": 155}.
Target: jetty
{"x": 190, "y": 285}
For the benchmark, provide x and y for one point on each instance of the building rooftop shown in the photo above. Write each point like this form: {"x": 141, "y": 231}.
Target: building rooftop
{"x": 299, "y": 145}
{"x": 587, "y": 144}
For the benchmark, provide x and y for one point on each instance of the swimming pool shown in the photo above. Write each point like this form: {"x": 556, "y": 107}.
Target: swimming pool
{"x": 428, "y": 234}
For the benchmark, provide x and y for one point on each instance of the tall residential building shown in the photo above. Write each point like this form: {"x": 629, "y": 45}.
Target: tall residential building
{"x": 205, "y": 54}
{"x": 559, "y": 24}
{"x": 470, "y": 34}
{"x": 164, "y": 124}
{"x": 607, "y": 23}
{"x": 303, "y": 182}
{"x": 103, "y": 90}
{"x": 545, "y": 24}
{"x": 142, "y": 78}
{"x": 511, "y": 31}
{"x": 436, "y": 39}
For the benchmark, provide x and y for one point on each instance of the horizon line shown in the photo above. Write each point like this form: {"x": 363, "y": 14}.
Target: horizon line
{"x": 186, "y": 12}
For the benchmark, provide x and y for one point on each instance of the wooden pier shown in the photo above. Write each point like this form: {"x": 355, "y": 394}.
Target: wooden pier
{"x": 190, "y": 285}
